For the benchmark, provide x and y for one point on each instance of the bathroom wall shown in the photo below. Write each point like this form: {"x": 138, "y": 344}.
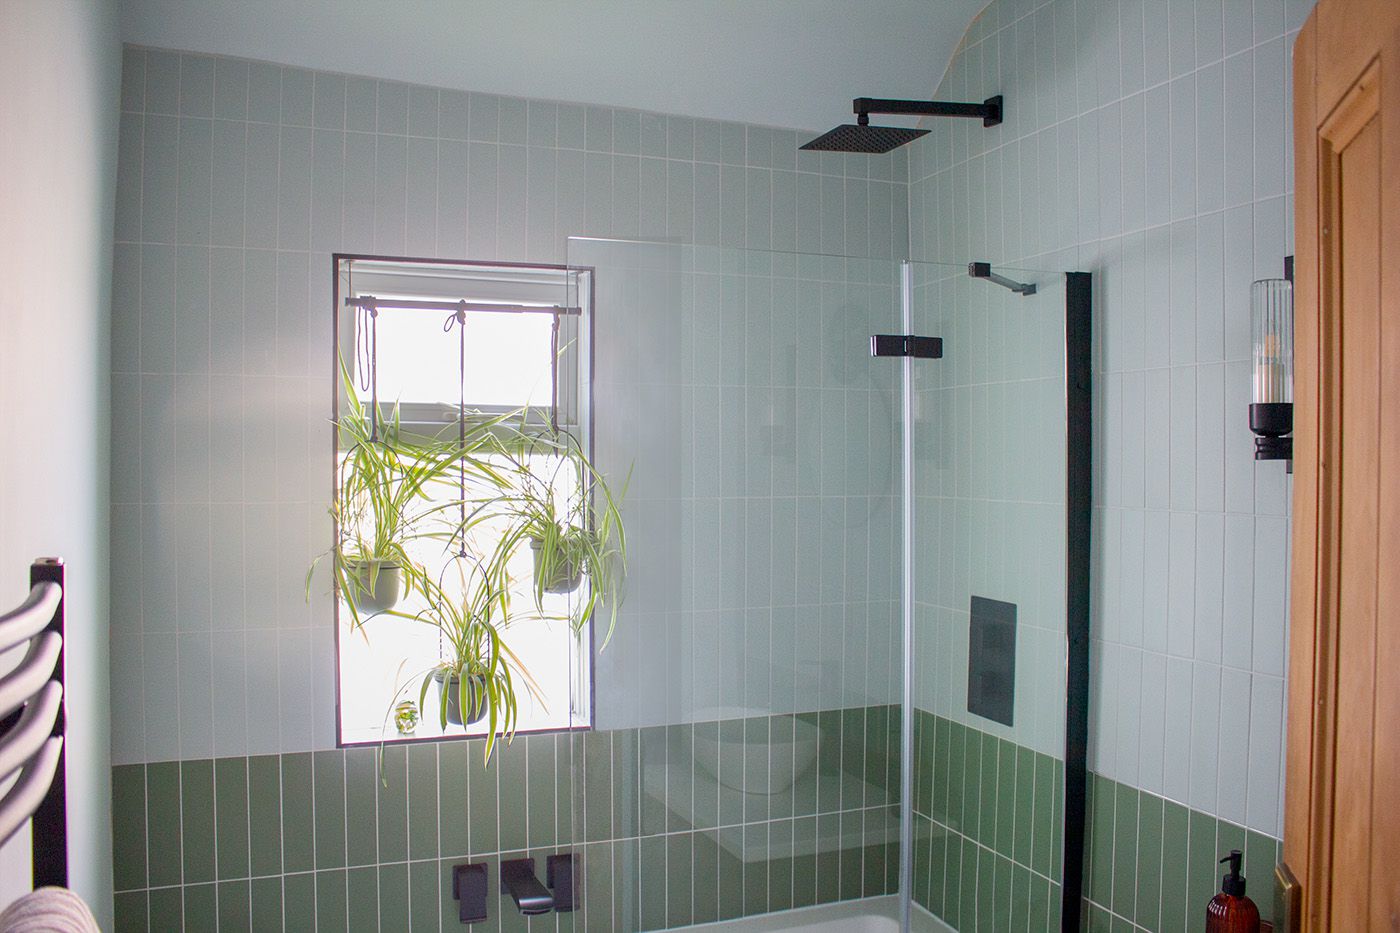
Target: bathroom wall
{"x": 1148, "y": 143}
{"x": 59, "y": 65}
{"x": 236, "y": 180}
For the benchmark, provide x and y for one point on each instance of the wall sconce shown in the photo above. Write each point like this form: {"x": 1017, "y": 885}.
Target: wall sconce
{"x": 1271, "y": 331}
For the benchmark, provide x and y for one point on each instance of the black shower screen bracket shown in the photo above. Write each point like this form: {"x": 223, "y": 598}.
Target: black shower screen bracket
{"x": 920, "y": 348}
{"x": 990, "y": 110}
{"x": 983, "y": 270}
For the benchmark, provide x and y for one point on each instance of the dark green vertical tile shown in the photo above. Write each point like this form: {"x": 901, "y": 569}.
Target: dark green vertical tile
{"x": 1148, "y": 909}
{"x": 1228, "y": 837}
{"x": 731, "y": 872}
{"x": 569, "y": 789}
{"x": 679, "y": 863}
{"x": 1042, "y": 834}
{"x": 1259, "y": 862}
{"x": 852, "y": 832}
{"x": 1099, "y": 920}
{"x": 938, "y": 870}
{"x": 680, "y": 778}
{"x": 299, "y": 901}
{"x": 1202, "y": 876}
{"x": 873, "y": 860}
{"x": 132, "y": 908}
{"x": 1023, "y": 806}
{"x": 266, "y": 895}
{"x": 952, "y": 882}
{"x": 1020, "y": 899}
{"x": 1175, "y": 853}
{"x": 423, "y": 893}
{"x": 231, "y": 817}
{"x": 449, "y": 916}
{"x": 731, "y": 771}
{"x": 986, "y": 890}
{"x": 972, "y": 811}
{"x": 626, "y": 871}
{"x": 1006, "y": 798}
{"x": 331, "y": 916}
{"x": 804, "y": 861}
{"x": 391, "y": 804}
{"x": 235, "y": 903}
{"x": 167, "y": 907}
{"x": 987, "y": 806}
{"x": 780, "y": 835}
{"x": 328, "y": 768}
{"x": 942, "y": 750}
{"x": 967, "y": 898}
{"x": 653, "y": 810}
{"x": 704, "y": 895}
{"x": 361, "y": 806}
{"x": 197, "y": 820}
{"x": 539, "y": 766}
{"x": 484, "y": 802}
{"x": 163, "y": 824}
{"x": 1125, "y": 845}
{"x": 201, "y": 906}
{"x": 805, "y": 789}
{"x": 626, "y": 779}
{"x": 828, "y": 857}
{"x": 852, "y": 758}
{"x": 923, "y": 853}
{"x": 923, "y": 763}
{"x": 129, "y": 828}
{"x": 393, "y": 895}
{"x": 652, "y": 881}
{"x": 362, "y": 896}
{"x": 1003, "y": 888}
{"x": 514, "y": 797}
{"x": 1042, "y": 906}
{"x": 298, "y": 830}
{"x": 706, "y": 791}
{"x": 423, "y": 802}
{"x": 829, "y": 762}
{"x": 598, "y": 886}
{"x": 755, "y": 869}
{"x": 756, "y": 735}
{"x": 453, "y": 763}
{"x": 1057, "y": 820}
{"x": 874, "y": 754}
{"x": 1100, "y": 833}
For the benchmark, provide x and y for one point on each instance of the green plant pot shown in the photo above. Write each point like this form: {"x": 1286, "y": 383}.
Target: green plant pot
{"x": 476, "y": 698}
{"x": 387, "y": 588}
{"x": 566, "y": 576}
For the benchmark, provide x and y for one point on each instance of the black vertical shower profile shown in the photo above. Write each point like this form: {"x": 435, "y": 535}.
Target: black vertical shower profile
{"x": 1079, "y": 309}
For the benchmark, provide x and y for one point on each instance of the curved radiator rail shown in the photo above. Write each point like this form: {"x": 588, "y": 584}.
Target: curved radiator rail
{"x": 32, "y": 724}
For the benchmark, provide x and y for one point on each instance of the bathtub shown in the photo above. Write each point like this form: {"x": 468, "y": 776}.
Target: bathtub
{"x": 868, "y": 915}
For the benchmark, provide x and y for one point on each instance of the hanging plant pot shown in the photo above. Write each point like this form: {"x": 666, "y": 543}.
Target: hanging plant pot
{"x": 476, "y": 697}
{"x": 564, "y": 576}
{"x": 378, "y": 584}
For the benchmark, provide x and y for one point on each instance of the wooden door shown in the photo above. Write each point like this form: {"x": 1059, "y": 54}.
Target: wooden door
{"x": 1342, "y": 810}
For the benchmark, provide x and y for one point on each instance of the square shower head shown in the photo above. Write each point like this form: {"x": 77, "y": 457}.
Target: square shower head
{"x": 848, "y": 137}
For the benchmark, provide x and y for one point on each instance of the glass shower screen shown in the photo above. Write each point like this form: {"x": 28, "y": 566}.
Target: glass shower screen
{"x": 747, "y": 729}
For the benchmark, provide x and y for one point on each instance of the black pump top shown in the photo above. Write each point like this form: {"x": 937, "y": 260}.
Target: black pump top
{"x": 1233, "y": 882}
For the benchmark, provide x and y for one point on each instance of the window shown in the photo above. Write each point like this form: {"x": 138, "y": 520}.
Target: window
{"x": 462, "y": 412}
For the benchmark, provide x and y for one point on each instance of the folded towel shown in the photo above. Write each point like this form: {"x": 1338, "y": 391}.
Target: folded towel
{"x": 48, "y": 910}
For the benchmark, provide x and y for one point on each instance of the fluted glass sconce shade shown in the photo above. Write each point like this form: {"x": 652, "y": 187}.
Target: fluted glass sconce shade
{"x": 1271, "y": 408}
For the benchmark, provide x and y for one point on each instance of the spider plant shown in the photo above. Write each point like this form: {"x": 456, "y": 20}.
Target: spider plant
{"x": 574, "y": 532}
{"x": 477, "y": 678}
{"x": 387, "y": 479}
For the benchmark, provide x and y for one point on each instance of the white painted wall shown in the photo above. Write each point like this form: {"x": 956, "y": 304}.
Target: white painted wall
{"x": 787, "y": 63}
{"x": 59, "y": 75}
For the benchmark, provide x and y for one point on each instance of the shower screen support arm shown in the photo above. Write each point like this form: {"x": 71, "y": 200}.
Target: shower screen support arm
{"x": 989, "y": 110}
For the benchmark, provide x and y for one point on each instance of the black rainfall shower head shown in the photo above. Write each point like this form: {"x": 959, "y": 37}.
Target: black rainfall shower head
{"x": 875, "y": 139}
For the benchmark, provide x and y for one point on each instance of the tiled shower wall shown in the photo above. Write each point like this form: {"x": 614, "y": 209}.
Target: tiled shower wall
{"x": 236, "y": 181}
{"x": 1148, "y": 142}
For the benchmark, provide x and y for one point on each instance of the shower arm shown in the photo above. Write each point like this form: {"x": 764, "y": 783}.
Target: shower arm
{"x": 983, "y": 270}
{"x": 989, "y": 110}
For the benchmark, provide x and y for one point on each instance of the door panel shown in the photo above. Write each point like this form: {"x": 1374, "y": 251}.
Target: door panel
{"x": 1343, "y": 812}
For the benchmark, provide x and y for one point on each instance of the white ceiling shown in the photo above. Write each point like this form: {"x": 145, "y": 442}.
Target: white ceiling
{"x": 791, "y": 63}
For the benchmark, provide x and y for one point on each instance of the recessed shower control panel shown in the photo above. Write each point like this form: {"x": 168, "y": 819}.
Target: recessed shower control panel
{"x": 991, "y": 660}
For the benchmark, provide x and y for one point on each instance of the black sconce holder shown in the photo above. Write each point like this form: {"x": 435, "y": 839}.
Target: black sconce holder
{"x": 1272, "y": 422}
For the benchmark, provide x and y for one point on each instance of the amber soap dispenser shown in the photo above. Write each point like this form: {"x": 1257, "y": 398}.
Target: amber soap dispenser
{"x": 1231, "y": 911}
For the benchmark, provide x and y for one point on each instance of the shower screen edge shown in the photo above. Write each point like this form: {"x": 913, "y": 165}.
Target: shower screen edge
{"x": 906, "y": 599}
